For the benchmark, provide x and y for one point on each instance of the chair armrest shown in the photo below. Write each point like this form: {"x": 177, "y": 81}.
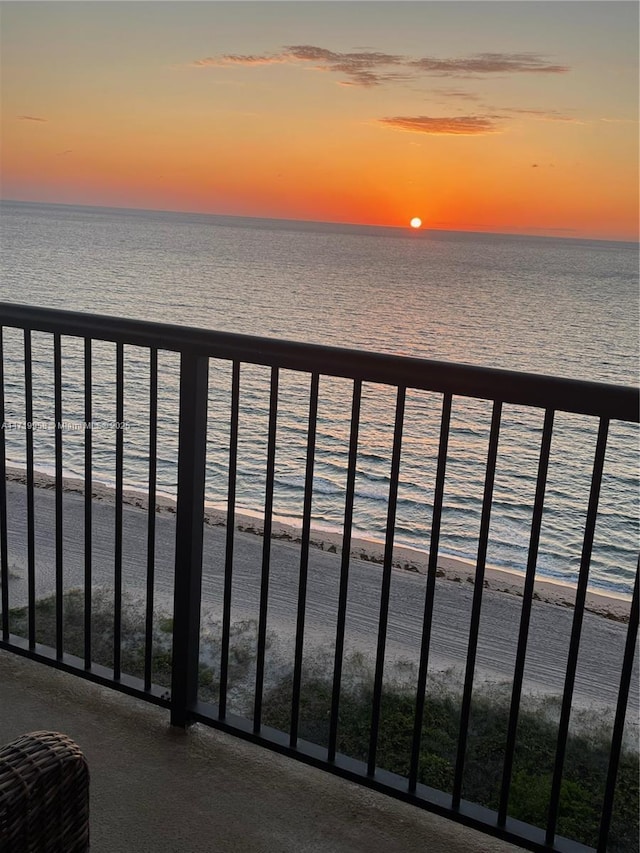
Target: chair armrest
{"x": 44, "y": 795}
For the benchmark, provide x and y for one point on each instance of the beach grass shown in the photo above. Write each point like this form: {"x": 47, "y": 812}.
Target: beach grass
{"x": 587, "y": 752}
{"x": 585, "y": 765}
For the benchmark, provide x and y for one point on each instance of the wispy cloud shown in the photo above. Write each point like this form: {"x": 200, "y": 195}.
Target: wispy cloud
{"x": 363, "y": 68}
{"x": 359, "y": 67}
{"x": 371, "y": 68}
{"x": 235, "y": 59}
{"x": 456, "y": 125}
{"x": 488, "y": 63}
{"x": 489, "y": 121}
{"x": 367, "y": 58}
{"x": 31, "y": 118}
{"x": 543, "y": 115}
{"x": 458, "y": 93}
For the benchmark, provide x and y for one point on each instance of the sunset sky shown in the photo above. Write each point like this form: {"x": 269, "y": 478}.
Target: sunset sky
{"x": 483, "y": 116}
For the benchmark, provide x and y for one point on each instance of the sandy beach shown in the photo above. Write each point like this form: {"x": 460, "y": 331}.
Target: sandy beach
{"x": 407, "y": 559}
{"x": 603, "y": 631}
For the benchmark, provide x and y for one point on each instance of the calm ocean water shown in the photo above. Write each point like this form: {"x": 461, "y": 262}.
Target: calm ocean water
{"x": 560, "y": 307}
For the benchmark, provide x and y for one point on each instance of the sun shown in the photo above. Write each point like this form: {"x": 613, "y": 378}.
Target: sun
{"x": 416, "y": 222}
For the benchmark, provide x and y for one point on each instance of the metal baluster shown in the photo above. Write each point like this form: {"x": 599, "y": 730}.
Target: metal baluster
{"x": 88, "y": 495}
{"x": 57, "y": 384}
{"x": 151, "y": 513}
{"x": 430, "y": 591}
{"x": 477, "y": 603}
{"x": 304, "y": 559}
{"x": 31, "y": 549}
{"x": 266, "y": 551}
{"x": 525, "y": 618}
{"x": 344, "y": 570}
{"x": 576, "y": 628}
{"x": 117, "y": 602}
{"x": 386, "y": 582}
{"x": 228, "y": 563}
{"x": 4, "y": 544}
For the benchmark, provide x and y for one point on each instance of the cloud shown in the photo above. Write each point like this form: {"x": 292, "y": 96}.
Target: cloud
{"x": 456, "y": 125}
{"x": 488, "y": 63}
{"x": 359, "y": 67}
{"x": 371, "y": 68}
{"x": 235, "y": 59}
{"x": 544, "y": 115}
{"x": 31, "y": 118}
{"x": 360, "y": 59}
{"x": 458, "y": 93}
{"x": 362, "y": 77}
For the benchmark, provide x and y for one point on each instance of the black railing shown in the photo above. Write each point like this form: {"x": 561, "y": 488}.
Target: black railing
{"x": 196, "y": 348}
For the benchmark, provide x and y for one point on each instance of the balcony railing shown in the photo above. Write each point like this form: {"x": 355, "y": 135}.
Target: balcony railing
{"x": 196, "y": 349}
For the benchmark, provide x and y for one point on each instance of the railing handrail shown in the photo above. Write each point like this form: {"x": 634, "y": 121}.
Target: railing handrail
{"x": 617, "y": 402}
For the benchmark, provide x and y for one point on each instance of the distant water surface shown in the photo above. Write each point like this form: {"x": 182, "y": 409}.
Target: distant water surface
{"x": 559, "y": 307}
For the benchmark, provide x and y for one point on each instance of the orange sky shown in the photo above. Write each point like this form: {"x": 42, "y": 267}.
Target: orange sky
{"x": 517, "y": 117}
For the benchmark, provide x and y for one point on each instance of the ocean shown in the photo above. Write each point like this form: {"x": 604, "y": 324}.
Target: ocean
{"x": 562, "y": 307}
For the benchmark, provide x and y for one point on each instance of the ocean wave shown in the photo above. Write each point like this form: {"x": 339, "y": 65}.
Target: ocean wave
{"x": 321, "y": 485}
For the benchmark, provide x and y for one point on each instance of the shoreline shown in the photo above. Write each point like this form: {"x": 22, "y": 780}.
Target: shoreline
{"x": 451, "y": 569}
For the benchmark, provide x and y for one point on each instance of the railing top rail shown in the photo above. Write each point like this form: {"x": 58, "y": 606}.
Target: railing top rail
{"x": 569, "y": 395}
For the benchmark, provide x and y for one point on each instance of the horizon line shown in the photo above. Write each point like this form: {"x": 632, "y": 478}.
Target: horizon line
{"x": 400, "y": 228}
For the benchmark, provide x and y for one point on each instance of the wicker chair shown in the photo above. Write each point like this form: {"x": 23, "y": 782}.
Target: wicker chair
{"x": 44, "y": 795}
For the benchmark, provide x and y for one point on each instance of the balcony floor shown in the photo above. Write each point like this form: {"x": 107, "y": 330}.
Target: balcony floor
{"x": 154, "y": 788}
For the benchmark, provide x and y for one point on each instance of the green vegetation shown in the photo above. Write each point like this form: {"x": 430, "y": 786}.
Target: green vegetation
{"x": 586, "y": 760}
{"x": 241, "y": 646}
{"x": 133, "y": 632}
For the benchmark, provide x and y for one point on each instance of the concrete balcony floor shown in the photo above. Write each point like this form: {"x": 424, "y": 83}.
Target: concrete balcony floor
{"x": 157, "y": 789}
